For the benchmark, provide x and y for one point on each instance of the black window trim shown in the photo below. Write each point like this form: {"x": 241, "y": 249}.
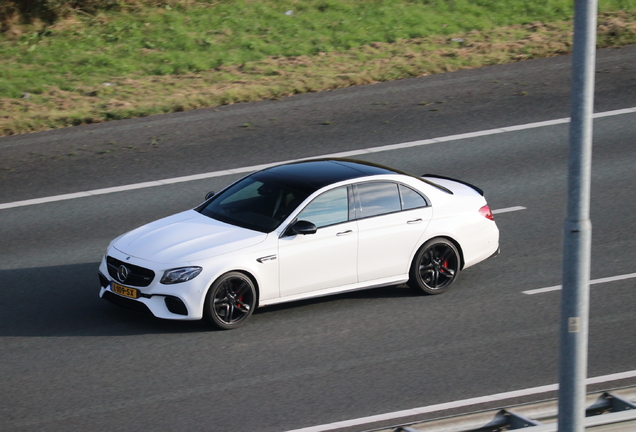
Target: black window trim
{"x": 355, "y": 204}
{"x": 358, "y": 203}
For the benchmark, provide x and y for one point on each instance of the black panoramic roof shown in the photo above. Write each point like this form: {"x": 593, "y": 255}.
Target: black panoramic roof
{"x": 309, "y": 176}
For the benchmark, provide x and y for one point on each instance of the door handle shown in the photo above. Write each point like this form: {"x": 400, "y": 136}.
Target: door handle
{"x": 414, "y": 221}
{"x": 344, "y": 233}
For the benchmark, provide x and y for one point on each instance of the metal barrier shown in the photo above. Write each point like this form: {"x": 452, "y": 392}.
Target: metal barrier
{"x": 614, "y": 410}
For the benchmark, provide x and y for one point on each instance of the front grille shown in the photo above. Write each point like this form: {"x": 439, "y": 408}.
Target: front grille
{"x": 137, "y": 276}
{"x": 126, "y": 303}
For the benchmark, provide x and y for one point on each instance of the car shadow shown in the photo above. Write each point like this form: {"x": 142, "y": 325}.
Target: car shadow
{"x": 63, "y": 301}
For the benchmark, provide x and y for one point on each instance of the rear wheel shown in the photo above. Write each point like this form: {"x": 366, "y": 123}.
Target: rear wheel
{"x": 435, "y": 266}
{"x": 231, "y": 301}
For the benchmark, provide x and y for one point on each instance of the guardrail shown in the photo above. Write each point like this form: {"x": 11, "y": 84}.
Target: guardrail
{"x": 613, "y": 410}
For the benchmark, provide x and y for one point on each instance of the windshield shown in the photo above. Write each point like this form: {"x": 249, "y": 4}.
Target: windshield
{"x": 255, "y": 202}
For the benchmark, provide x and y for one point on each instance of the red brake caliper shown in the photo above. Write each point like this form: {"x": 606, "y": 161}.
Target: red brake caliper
{"x": 240, "y": 299}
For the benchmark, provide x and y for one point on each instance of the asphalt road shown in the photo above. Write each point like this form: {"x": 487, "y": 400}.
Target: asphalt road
{"x": 69, "y": 361}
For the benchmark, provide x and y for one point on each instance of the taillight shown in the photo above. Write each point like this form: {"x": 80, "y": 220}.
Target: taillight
{"x": 485, "y": 212}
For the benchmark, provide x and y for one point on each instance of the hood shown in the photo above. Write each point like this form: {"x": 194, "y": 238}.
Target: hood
{"x": 185, "y": 237}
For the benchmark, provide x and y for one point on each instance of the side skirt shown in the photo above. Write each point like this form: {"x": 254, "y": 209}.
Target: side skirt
{"x": 338, "y": 290}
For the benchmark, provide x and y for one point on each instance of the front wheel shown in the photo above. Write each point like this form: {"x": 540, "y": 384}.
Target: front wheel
{"x": 231, "y": 301}
{"x": 435, "y": 266}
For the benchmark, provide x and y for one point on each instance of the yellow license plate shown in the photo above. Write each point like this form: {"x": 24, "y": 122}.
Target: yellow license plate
{"x": 125, "y": 291}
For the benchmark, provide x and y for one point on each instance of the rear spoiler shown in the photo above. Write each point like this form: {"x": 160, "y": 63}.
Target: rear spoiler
{"x": 478, "y": 190}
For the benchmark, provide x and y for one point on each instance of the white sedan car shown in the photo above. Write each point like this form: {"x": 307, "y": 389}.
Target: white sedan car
{"x": 296, "y": 231}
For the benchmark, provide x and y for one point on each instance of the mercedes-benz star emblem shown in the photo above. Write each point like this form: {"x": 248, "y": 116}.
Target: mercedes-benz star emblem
{"x": 122, "y": 273}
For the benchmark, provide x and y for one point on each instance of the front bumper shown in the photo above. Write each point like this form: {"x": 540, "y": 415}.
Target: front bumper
{"x": 183, "y": 301}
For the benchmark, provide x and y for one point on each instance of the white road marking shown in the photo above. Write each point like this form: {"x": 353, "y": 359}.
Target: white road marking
{"x": 458, "y": 404}
{"x": 351, "y": 153}
{"x": 592, "y": 282}
{"x": 508, "y": 209}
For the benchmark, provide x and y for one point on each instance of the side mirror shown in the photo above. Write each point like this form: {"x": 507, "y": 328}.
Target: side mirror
{"x": 302, "y": 227}
{"x": 209, "y": 195}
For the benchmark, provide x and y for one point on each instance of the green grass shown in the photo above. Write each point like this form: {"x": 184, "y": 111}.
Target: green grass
{"x": 158, "y": 41}
{"x": 75, "y": 56}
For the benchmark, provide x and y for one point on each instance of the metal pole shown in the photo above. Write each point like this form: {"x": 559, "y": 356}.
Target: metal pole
{"x": 578, "y": 227}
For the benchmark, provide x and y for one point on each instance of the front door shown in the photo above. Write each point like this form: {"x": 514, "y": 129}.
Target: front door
{"x": 326, "y": 259}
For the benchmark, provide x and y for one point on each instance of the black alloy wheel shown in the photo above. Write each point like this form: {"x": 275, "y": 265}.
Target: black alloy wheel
{"x": 231, "y": 301}
{"x": 435, "y": 266}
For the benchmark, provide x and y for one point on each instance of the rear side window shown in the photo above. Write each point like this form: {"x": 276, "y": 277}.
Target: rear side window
{"x": 411, "y": 199}
{"x": 378, "y": 198}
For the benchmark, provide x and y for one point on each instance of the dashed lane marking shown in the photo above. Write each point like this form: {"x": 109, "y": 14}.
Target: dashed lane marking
{"x": 592, "y": 282}
{"x": 508, "y": 210}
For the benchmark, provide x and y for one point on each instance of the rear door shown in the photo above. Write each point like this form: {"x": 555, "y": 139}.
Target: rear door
{"x": 392, "y": 218}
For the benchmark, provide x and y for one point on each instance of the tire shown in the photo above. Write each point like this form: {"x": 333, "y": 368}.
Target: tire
{"x": 231, "y": 300}
{"x": 435, "y": 267}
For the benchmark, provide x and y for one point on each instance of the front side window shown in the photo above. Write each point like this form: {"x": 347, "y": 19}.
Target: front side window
{"x": 378, "y": 198}
{"x": 330, "y": 208}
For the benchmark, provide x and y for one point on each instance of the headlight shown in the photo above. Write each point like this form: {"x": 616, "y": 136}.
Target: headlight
{"x": 179, "y": 275}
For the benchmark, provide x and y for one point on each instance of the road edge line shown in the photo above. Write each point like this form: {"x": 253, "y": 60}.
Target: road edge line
{"x": 458, "y": 404}
{"x": 240, "y": 170}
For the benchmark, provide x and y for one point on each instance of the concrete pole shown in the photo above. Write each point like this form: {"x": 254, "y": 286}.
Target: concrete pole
{"x": 578, "y": 227}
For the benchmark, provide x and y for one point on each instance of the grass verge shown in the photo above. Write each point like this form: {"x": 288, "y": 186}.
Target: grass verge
{"x": 112, "y": 63}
